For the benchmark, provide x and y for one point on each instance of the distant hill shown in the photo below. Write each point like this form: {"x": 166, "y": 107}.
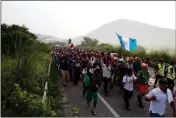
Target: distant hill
{"x": 148, "y": 36}
{"x": 51, "y": 39}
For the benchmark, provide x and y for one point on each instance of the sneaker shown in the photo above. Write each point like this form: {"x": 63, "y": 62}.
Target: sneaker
{"x": 141, "y": 106}
{"x": 128, "y": 109}
{"x": 94, "y": 112}
{"x": 75, "y": 84}
{"x": 106, "y": 94}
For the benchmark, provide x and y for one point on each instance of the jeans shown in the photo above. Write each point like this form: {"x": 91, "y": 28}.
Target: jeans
{"x": 90, "y": 95}
{"x": 127, "y": 96}
{"x": 65, "y": 76}
{"x": 76, "y": 76}
{"x": 106, "y": 82}
{"x": 70, "y": 75}
{"x": 154, "y": 115}
{"x": 85, "y": 89}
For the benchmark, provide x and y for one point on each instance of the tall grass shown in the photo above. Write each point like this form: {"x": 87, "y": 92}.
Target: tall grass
{"x": 27, "y": 70}
{"x": 23, "y": 78}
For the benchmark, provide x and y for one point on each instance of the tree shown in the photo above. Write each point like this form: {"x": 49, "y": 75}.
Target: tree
{"x": 89, "y": 41}
{"x": 14, "y": 37}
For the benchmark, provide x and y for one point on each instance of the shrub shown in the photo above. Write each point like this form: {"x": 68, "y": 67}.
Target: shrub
{"x": 24, "y": 66}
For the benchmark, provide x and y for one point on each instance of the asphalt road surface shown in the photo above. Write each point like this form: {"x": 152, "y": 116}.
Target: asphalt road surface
{"x": 108, "y": 106}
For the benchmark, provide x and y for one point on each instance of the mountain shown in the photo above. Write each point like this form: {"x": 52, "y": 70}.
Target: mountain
{"x": 48, "y": 39}
{"x": 148, "y": 36}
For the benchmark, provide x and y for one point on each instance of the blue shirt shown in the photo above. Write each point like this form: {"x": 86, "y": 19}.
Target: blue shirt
{"x": 70, "y": 63}
{"x": 57, "y": 59}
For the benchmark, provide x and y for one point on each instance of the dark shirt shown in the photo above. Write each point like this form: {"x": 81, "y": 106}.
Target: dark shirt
{"x": 77, "y": 66}
{"x": 64, "y": 64}
{"x": 137, "y": 66}
{"x": 70, "y": 60}
{"x": 96, "y": 64}
{"x": 57, "y": 59}
{"x": 123, "y": 71}
{"x": 94, "y": 84}
{"x": 85, "y": 63}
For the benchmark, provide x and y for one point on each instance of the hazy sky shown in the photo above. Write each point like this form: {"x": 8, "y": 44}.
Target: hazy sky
{"x": 66, "y": 19}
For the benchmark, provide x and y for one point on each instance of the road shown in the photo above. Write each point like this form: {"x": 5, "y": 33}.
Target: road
{"x": 114, "y": 101}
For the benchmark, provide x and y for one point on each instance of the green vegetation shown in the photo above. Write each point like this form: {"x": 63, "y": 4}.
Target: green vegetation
{"x": 24, "y": 65}
{"x": 153, "y": 55}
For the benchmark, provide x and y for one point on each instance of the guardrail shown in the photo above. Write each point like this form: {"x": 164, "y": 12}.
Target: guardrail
{"x": 46, "y": 83}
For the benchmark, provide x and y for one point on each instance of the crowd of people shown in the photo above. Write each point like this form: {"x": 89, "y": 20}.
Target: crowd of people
{"x": 95, "y": 69}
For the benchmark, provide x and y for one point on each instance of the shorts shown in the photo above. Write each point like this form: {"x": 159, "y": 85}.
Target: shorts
{"x": 142, "y": 89}
{"x": 91, "y": 95}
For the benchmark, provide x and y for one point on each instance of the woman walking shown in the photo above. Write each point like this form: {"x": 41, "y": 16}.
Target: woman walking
{"x": 143, "y": 77}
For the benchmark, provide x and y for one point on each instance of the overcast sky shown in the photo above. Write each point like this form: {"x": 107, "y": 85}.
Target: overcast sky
{"x": 66, "y": 19}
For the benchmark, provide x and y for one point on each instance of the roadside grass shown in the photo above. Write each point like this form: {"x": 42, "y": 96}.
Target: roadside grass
{"x": 153, "y": 55}
{"x": 23, "y": 78}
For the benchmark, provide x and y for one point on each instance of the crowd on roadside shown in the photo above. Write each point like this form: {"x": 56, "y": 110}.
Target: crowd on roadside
{"x": 95, "y": 69}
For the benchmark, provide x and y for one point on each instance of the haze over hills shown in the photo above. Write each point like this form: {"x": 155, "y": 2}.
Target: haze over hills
{"x": 148, "y": 36}
{"x": 47, "y": 39}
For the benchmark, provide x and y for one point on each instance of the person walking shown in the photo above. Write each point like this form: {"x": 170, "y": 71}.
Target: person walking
{"x": 129, "y": 64}
{"x": 127, "y": 83}
{"x": 70, "y": 69}
{"x": 159, "y": 71}
{"x": 171, "y": 76}
{"x": 159, "y": 98}
{"x": 64, "y": 70}
{"x": 142, "y": 83}
{"x": 136, "y": 65}
{"x": 122, "y": 72}
{"x": 106, "y": 68}
{"x": 94, "y": 85}
{"x": 77, "y": 70}
{"x": 85, "y": 80}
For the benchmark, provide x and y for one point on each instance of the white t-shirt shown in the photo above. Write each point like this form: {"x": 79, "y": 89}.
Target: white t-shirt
{"x": 84, "y": 71}
{"x": 106, "y": 71}
{"x": 77, "y": 64}
{"x": 162, "y": 99}
{"x": 92, "y": 61}
{"x": 128, "y": 82}
{"x": 129, "y": 66}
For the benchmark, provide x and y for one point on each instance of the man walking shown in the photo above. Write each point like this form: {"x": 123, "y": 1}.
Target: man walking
{"x": 128, "y": 81}
{"x": 106, "y": 68}
{"x": 159, "y": 98}
{"x": 171, "y": 76}
{"x": 159, "y": 71}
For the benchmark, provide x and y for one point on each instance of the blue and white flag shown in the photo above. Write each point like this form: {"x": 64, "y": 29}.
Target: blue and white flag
{"x": 127, "y": 43}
